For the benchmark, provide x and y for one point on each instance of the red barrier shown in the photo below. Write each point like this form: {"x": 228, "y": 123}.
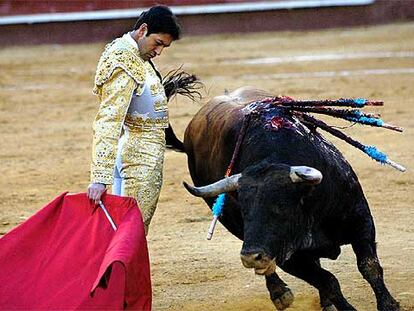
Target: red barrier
{"x": 21, "y": 7}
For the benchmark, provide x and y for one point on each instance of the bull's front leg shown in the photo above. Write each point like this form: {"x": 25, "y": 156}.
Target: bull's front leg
{"x": 280, "y": 294}
{"x": 369, "y": 266}
{"x": 310, "y": 270}
{"x": 263, "y": 264}
{"x": 371, "y": 270}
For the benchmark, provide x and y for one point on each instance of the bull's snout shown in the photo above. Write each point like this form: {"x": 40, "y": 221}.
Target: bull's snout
{"x": 262, "y": 263}
{"x": 254, "y": 260}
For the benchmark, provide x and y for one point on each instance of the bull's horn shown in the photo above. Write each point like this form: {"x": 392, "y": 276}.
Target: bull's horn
{"x": 305, "y": 174}
{"x": 227, "y": 184}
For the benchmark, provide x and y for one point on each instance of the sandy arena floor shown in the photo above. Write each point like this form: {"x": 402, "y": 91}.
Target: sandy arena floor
{"x": 47, "y": 108}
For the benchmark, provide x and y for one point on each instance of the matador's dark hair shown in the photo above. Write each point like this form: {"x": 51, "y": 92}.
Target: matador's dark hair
{"x": 160, "y": 19}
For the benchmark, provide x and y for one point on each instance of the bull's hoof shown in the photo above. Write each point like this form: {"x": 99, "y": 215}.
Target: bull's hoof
{"x": 329, "y": 308}
{"x": 284, "y": 301}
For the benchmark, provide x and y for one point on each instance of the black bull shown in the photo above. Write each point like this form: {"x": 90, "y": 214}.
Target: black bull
{"x": 278, "y": 203}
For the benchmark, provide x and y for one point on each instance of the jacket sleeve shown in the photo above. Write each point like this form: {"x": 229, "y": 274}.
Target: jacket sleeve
{"x": 115, "y": 97}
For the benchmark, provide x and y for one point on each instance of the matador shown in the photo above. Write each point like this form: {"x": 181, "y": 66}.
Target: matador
{"x": 129, "y": 129}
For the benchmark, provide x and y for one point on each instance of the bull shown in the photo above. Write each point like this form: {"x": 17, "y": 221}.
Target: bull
{"x": 292, "y": 197}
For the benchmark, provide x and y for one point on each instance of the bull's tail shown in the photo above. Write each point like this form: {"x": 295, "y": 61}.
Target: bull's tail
{"x": 172, "y": 141}
{"x": 183, "y": 83}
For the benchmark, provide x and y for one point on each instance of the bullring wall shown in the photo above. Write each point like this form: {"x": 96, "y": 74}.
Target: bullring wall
{"x": 197, "y": 19}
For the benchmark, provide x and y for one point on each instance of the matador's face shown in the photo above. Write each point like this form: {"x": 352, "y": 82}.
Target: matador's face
{"x": 152, "y": 45}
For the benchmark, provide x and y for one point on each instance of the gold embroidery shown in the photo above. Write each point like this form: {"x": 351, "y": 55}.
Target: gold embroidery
{"x": 156, "y": 89}
{"x": 139, "y": 89}
{"x": 115, "y": 99}
{"x": 142, "y": 162}
{"x": 119, "y": 54}
{"x": 136, "y": 122}
{"x": 153, "y": 89}
{"x": 161, "y": 105}
{"x": 151, "y": 71}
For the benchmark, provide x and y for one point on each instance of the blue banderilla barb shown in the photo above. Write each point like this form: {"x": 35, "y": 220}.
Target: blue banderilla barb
{"x": 369, "y": 150}
{"x": 357, "y": 116}
{"x": 219, "y": 204}
{"x": 374, "y": 153}
{"x": 342, "y": 102}
{"x": 381, "y": 157}
{"x": 359, "y": 102}
{"x": 217, "y": 211}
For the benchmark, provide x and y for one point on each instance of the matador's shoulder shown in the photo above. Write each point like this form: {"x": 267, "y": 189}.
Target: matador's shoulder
{"x": 119, "y": 54}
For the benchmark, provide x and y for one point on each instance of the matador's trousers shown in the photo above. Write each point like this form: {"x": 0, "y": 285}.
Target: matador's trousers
{"x": 138, "y": 169}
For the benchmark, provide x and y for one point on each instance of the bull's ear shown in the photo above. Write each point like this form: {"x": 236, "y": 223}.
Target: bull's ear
{"x": 305, "y": 174}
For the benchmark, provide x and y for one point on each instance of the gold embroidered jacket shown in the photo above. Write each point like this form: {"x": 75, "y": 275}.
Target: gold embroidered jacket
{"x": 121, "y": 74}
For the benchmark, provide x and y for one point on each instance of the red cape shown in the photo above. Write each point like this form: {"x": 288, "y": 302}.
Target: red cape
{"x": 67, "y": 256}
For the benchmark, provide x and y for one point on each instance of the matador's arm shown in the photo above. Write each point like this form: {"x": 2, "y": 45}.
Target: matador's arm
{"x": 115, "y": 97}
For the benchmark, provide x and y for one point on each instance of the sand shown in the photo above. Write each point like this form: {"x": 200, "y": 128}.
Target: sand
{"x": 47, "y": 108}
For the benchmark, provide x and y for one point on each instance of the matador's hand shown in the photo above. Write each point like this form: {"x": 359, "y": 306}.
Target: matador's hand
{"x": 95, "y": 191}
